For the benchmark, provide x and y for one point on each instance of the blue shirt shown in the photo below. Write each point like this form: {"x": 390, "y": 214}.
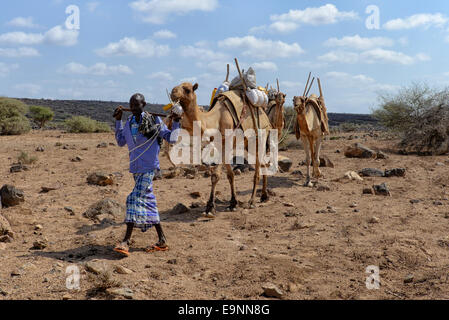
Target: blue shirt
{"x": 143, "y": 154}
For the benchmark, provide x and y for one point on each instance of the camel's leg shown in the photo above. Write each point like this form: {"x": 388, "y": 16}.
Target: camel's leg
{"x": 255, "y": 183}
{"x": 166, "y": 148}
{"x": 215, "y": 177}
{"x": 264, "y": 197}
{"x": 306, "y": 145}
{"x": 316, "y": 169}
{"x": 230, "y": 174}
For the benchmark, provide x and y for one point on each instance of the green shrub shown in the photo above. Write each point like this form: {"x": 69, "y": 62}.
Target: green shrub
{"x": 41, "y": 115}
{"x": 81, "y": 124}
{"x": 24, "y": 158}
{"x": 12, "y": 117}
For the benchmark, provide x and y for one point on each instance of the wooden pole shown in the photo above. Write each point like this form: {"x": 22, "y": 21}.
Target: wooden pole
{"x": 310, "y": 87}
{"x": 307, "y": 84}
{"x": 319, "y": 85}
{"x": 277, "y": 80}
{"x": 227, "y": 74}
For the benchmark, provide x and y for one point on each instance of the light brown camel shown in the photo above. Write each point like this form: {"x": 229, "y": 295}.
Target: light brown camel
{"x": 308, "y": 128}
{"x": 216, "y": 118}
{"x": 275, "y": 112}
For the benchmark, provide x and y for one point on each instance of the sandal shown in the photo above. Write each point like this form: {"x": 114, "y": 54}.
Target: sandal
{"x": 122, "y": 250}
{"x": 156, "y": 247}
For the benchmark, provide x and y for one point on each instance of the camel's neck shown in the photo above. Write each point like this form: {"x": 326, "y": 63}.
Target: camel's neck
{"x": 193, "y": 113}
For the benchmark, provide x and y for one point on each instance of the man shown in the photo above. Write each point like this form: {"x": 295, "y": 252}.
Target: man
{"x": 143, "y": 133}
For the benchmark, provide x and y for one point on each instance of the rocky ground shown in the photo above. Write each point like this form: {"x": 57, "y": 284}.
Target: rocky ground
{"x": 305, "y": 243}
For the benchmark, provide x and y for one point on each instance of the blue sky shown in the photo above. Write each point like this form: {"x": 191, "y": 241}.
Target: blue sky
{"x": 148, "y": 46}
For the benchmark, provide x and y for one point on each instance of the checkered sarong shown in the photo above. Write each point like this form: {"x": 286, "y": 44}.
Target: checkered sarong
{"x": 141, "y": 207}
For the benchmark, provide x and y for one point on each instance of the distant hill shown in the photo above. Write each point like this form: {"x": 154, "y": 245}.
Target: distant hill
{"x": 102, "y": 111}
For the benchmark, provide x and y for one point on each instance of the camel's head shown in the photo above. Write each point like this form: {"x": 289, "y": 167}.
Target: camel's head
{"x": 280, "y": 98}
{"x": 299, "y": 103}
{"x": 184, "y": 94}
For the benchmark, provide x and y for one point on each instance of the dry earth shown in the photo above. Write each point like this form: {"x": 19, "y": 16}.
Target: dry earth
{"x": 308, "y": 255}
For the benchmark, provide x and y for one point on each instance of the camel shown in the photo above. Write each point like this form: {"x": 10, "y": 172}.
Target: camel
{"x": 217, "y": 118}
{"x": 275, "y": 112}
{"x": 308, "y": 127}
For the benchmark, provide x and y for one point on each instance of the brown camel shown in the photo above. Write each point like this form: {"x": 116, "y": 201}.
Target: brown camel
{"x": 275, "y": 112}
{"x": 217, "y": 118}
{"x": 308, "y": 128}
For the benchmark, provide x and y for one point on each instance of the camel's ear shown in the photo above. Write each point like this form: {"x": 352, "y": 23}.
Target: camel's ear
{"x": 195, "y": 86}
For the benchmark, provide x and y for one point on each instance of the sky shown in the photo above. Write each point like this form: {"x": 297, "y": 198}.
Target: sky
{"x": 359, "y": 49}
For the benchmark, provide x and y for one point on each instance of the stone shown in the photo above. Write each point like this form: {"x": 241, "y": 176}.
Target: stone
{"x": 374, "y": 220}
{"x": 198, "y": 204}
{"x": 100, "y": 179}
{"x": 18, "y": 167}
{"x": 11, "y": 196}
{"x": 298, "y": 173}
{"x": 284, "y": 163}
{"x": 172, "y": 261}
{"x": 45, "y": 189}
{"x": 381, "y": 155}
{"x": 326, "y": 162}
{"x": 122, "y": 270}
{"x": 70, "y": 210}
{"x": 322, "y": 187}
{"x": 195, "y": 195}
{"x": 66, "y": 297}
{"x": 180, "y": 208}
{"x": 105, "y": 208}
{"x": 370, "y": 172}
{"x": 123, "y": 292}
{"x": 172, "y": 173}
{"x": 40, "y": 149}
{"x": 358, "y": 150}
{"x": 5, "y": 229}
{"x": 102, "y": 145}
{"x": 409, "y": 278}
{"x": 40, "y": 244}
{"x": 272, "y": 291}
{"x": 351, "y": 176}
{"x": 398, "y": 172}
{"x": 368, "y": 191}
{"x": 415, "y": 201}
{"x": 96, "y": 266}
{"x": 381, "y": 190}
{"x": 38, "y": 227}
{"x": 76, "y": 159}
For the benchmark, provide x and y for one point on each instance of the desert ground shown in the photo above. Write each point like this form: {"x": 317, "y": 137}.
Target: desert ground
{"x": 310, "y": 244}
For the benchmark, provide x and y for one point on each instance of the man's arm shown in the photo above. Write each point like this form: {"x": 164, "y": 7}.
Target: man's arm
{"x": 171, "y": 136}
{"x": 119, "y": 136}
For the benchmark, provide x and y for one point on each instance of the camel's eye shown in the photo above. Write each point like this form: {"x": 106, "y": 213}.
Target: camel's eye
{"x": 187, "y": 90}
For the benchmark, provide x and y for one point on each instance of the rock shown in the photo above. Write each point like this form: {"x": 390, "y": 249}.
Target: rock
{"x": 415, "y": 201}
{"x": 66, "y": 297}
{"x": 17, "y": 272}
{"x": 173, "y": 173}
{"x": 123, "y": 292}
{"x": 368, "y": 191}
{"x": 199, "y": 204}
{"x": 18, "y": 167}
{"x": 11, "y": 196}
{"x": 190, "y": 176}
{"x": 297, "y": 173}
{"x": 381, "y": 155}
{"x": 180, "y": 208}
{"x": 5, "y": 229}
{"x": 40, "y": 149}
{"x": 38, "y": 227}
{"x": 45, "y": 189}
{"x": 76, "y": 159}
{"x": 106, "y": 208}
{"x": 409, "y": 278}
{"x": 195, "y": 195}
{"x": 102, "y": 145}
{"x": 398, "y": 172}
{"x": 100, "y": 179}
{"x": 40, "y": 244}
{"x": 322, "y": 188}
{"x": 350, "y": 176}
{"x": 172, "y": 261}
{"x": 122, "y": 270}
{"x": 381, "y": 190}
{"x": 437, "y": 203}
{"x": 272, "y": 291}
{"x": 96, "y": 266}
{"x": 358, "y": 150}
{"x": 370, "y": 172}
{"x": 284, "y": 163}
{"x": 373, "y": 220}
{"x": 70, "y": 210}
{"x": 326, "y": 162}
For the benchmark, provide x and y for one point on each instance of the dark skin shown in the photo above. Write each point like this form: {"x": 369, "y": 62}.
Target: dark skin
{"x": 137, "y": 104}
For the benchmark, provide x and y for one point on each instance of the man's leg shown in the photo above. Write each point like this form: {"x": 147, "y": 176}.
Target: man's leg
{"x": 160, "y": 233}
{"x": 124, "y": 245}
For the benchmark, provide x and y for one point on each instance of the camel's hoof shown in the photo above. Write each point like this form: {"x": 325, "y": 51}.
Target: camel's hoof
{"x": 231, "y": 209}
{"x": 208, "y": 215}
{"x": 308, "y": 184}
{"x": 264, "y": 198}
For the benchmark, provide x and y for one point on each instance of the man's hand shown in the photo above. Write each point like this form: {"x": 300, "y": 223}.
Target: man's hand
{"x": 175, "y": 117}
{"x": 118, "y": 113}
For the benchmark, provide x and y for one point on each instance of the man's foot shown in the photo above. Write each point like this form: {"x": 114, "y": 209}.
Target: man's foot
{"x": 122, "y": 248}
{"x": 160, "y": 246}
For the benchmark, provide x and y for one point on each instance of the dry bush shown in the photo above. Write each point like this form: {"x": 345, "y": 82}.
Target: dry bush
{"x": 24, "y": 158}
{"x": 12, "y": 117}
{"x": 420, "y": 115}
{"x": 81, "y": 124}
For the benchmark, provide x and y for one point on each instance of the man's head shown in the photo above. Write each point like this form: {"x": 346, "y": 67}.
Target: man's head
{"x": 137, "y": 103}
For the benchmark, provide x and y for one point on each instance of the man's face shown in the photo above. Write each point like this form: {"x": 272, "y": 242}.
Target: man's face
{"x": 136, "y": 107}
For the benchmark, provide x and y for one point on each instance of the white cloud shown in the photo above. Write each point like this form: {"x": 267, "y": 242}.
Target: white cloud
{"x": 18, "y": 52}
{"x": 291, "y": 84}
{"x": 28, "y": 88}
{"x": 359, "y": 82}
{"x": 261, "y": 48}
{"x": 56, "y": 36}
{"x": 22, "y": 22}
{"x": 359, "y": 43}
{"x": 5, "y": 69}
{"x": 132, "y": 47}
{"x": 161, "y": 75}
{"x": 21, "y": 38}
{"x": 164, "y": 34}
{"x": 287, "y": 22}
{"x": 265, "y": 65}
{"x": 158, "y": 11}
{"x": 98, "y": 69}
{"x": 310, "y": 64}
{"x": 92, "y": 6}
{"x": 373, "y": 56}
{"x": 418, "y": 20}
{"x": 201, "y": 53}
